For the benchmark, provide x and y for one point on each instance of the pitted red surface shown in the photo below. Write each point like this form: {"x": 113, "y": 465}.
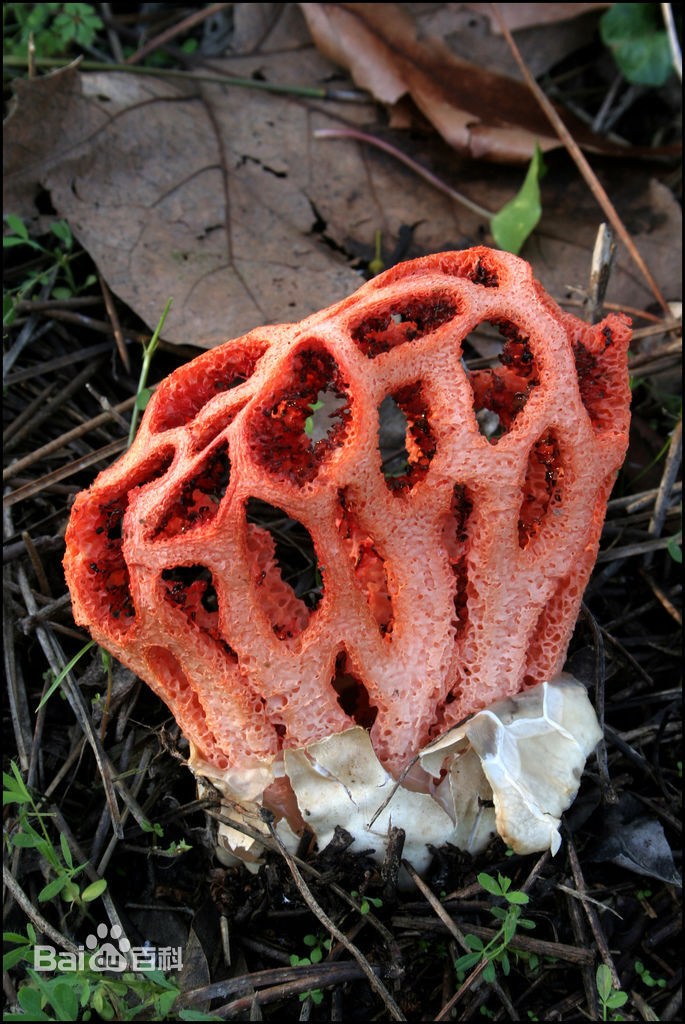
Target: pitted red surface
{"x": 444, "y": 588}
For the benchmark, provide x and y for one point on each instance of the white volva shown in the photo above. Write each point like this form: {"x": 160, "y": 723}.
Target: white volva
{"x": 511, "y": 769}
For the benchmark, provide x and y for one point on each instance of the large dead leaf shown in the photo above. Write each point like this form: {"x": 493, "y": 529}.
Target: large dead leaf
{"x": 223, "y": 199}
{"x": 481, "y": 113}
{"x": 176, "y": 194}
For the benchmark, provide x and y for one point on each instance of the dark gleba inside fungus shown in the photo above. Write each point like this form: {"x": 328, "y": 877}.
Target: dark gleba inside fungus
{"x": 439, "y": 590}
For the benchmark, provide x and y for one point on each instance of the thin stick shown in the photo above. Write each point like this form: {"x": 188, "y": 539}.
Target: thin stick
{"x": 676, "y": 52}
{"x": 376, "y": 984}
{"x": 308, "y": 92}
{"x": 590, "y": 912}
{"x": 662, "y": 597}
{"x": 175, "y": 30}
{"x": 603, "y": 256}
{"x": 667, "y": 480}
{"x": 36, "y": 486}
{"x": 73, "y": 694}
{"x": 116, "y": 326}
{"x": 464, "y": 987}
{"x": 61, "y": 941}
{"x": 581, "y": 162}
{"x": 437, "y": 906}
{"x": 64, "y": 439}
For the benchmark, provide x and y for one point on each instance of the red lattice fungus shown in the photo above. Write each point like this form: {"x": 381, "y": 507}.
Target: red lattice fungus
{"x": 421, "y": 595}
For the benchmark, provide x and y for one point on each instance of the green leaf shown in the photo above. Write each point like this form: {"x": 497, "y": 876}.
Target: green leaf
{"x": 30, "y": 1000}
{"x": 489, "y": 972}
{"x": 65, "y": 671}
{"x": 517, "y": 897}
{"x": 142, "y": 398}
{"x": 52, "y": 888}
{"x": 603, "y": 982}
{"x": 66, "y": 852}
{"x": 14, "y": 956}
{"x": 464, "y": 963}
{"x": 30, "y": 840}
{"x": 9, "y": 310}
{"x": 65, "y": 1002}
{"x": 636, "y": 36}
{"x": 164, "y": 1002}
{"x": 62, "y": 291}
{"x": 17, "y": 226}
{"x": 513, "y": 224}
{"x": 509, "y": 927}
{"x": 473, "y": 942}
{"x": 95, "y": 889}
{"x": 616, "y": 999}
{"x": 674, "y": 549}
{"x": 11, "y": 240}
{"x": 489, "y": 883}
{"x": 61, "y": 230}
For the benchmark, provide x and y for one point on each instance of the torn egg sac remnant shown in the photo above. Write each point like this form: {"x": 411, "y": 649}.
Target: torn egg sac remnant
{"x": 426, "y": 615}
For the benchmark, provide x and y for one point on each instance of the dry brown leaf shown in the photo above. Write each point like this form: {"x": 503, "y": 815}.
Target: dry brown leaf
{"x": 483, "y": 114}
{"x": 135, "y": 167}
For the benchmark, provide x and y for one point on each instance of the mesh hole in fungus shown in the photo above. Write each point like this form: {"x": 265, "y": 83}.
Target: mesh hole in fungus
{"x": 402, "y": 322}
{"x": 500, "y": 394}
{"x": 542, "y": 490}
{"x": 198, "y": 498}
{"x": 405, "y": 438}
{"x": 353, "y": 697}
{"x": 314, "y": 398}
{"x": 190, "y": 588}
{"x": 104, "y": 547}
{"x": 284, "y": 567}
{"x": 455, "y": 538}
{"x": 369, "y": 567}
{"x": 181, "y": 396}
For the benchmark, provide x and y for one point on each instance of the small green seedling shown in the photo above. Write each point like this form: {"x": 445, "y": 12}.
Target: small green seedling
{"x": 54, "y": 27}
{"x": 647, "y": 978}
{"x": 309, "y": 422}
{"x": 609, "y": 997}
{"x": 317, "y": 946}
{"x": 366, "y": 902}
{"x": 497, "y": 950}
{"x": 144, "y": 393}
{"x": 30, "y": 832}
{"x": 59, "y": 257}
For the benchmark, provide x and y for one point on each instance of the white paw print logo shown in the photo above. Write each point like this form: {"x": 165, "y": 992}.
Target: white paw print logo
{"x": 110, "y": 956}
